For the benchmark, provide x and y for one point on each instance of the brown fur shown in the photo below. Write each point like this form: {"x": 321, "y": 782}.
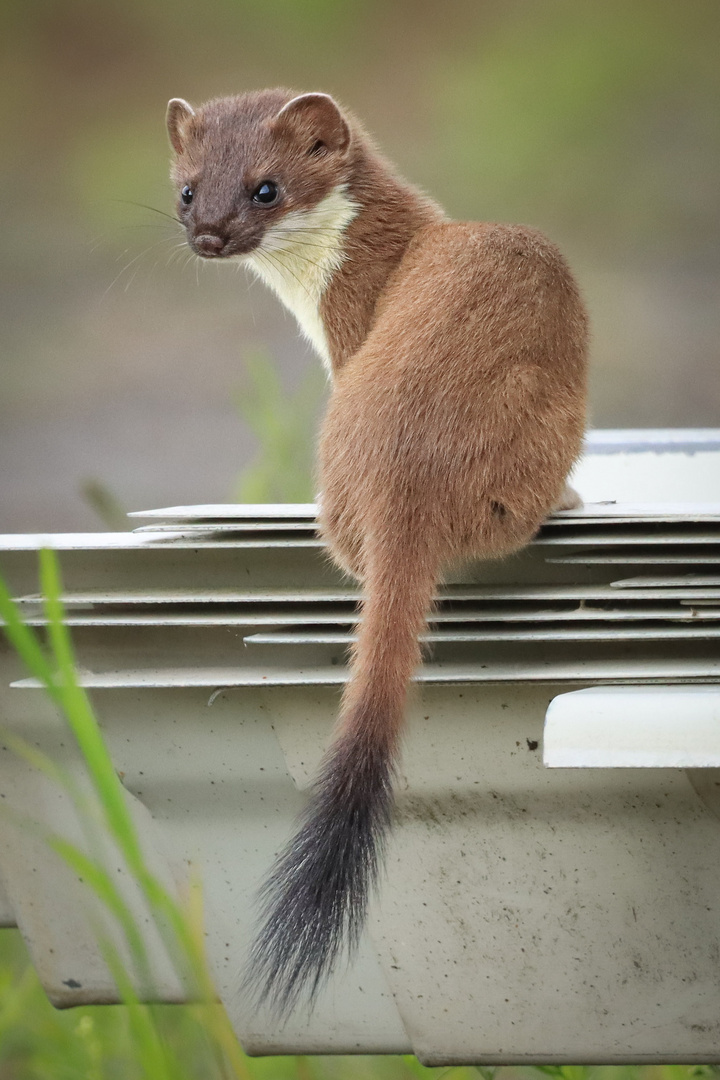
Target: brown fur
{"x": 459, "y": 360}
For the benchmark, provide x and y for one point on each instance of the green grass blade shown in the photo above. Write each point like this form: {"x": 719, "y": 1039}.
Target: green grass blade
{"x": 80, "y": 715}
{"x": 104, "y": 778}
{"x": 102, "y": 884}
{"x": 157, "y": 1061}
{"x": 182, "y": 931}
{"x": 25, "y": 643}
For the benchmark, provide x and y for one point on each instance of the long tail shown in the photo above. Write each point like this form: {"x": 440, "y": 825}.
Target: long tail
{"x": 314, "y": 901}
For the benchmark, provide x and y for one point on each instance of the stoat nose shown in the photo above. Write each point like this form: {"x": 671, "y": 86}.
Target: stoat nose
{"x": 209, "y": 244}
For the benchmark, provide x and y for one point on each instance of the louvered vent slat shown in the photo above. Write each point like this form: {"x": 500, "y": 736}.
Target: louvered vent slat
{"x": 512, "y": 619}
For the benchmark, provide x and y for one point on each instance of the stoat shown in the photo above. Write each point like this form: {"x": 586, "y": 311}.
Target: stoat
{"x": 457, "y": 353}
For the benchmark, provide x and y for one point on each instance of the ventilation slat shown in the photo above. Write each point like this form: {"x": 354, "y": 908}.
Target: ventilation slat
{"x": 590, "y": 512}
{"x": 271, "y": 528}
{"x": 232, "y": 511}
{"x": 136, "y": 615}
{"x": 490, "y": 593}
{"x": 623, "y": 670}
{"x": 449, "y": 637}
{"x": 645, "y": 558}
{"x": 691, "y": 581}
{"x": 558, "y": 610}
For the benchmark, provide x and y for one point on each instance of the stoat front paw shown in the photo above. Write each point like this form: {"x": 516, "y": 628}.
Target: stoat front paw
{"x": 569, "y": 500}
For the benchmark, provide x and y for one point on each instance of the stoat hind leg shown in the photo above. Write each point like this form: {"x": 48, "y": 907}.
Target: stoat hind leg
{"x": 344, "y": 542}
{"x": 569, "y": 500}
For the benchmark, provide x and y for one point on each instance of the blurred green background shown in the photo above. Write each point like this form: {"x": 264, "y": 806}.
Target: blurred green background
{"x": 124, "y": 361}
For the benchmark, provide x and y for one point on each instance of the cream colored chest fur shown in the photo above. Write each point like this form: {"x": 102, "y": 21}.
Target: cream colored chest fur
{"x": 299, "y": 255}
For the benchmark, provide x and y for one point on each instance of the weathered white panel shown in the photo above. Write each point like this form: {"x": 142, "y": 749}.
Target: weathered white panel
{"x": 671, "y": 727}
{"x": 535, "y": 915}
{"x": 650, "y": 466}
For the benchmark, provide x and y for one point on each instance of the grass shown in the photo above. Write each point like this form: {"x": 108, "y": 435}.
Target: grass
{"x": 97, "y": 1043}
{"x": 205, "y": 1030}
{"x": 282, "y": 469}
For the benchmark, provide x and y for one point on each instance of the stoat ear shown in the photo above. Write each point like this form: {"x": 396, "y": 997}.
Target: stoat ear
{"x": 317, "y": 121}
{"x": 179, "y": 113}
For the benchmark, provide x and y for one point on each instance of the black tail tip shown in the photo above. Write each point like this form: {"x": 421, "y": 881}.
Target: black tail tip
{"x": 314, "y": 901}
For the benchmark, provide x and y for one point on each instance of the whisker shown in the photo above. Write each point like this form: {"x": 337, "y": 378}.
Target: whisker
{"x": 311, "y": 230}
{"x": 296, "y": 255}
{"x": 144, "y": 206}
{"x": 132, "y": 261}
{"x": 326, "y": 267}
{"x": 176, "y": 253}
{"x": 131, "y": 279}
{"x": 117, "y": 278}
{"x": 296, "y": 243}
{"x": 285, "y": 242}
{"x": 262, "y": 256}
{"x": 270, "y": 263}
{"x": 186, "y": 258}
{"x": 314, "y": 212}
{"x": 283, "y": 266}
{"x": 147, "y": 225}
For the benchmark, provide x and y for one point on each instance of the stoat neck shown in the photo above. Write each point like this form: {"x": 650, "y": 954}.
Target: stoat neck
{"x": 390, "y": 214}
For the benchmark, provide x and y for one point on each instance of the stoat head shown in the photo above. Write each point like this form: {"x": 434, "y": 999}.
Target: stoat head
{"x": 243, "y": 163}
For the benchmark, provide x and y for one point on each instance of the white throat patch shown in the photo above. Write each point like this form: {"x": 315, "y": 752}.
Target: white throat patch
{"x": 300, "y": 254}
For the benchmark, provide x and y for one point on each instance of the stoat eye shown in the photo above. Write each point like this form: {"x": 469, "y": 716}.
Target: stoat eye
{"x": 266, "y": 193}
{"x": 187, "y": 194}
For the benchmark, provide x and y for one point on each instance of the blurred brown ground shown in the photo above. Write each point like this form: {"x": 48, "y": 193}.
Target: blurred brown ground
{"x": 120, "y": 357}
